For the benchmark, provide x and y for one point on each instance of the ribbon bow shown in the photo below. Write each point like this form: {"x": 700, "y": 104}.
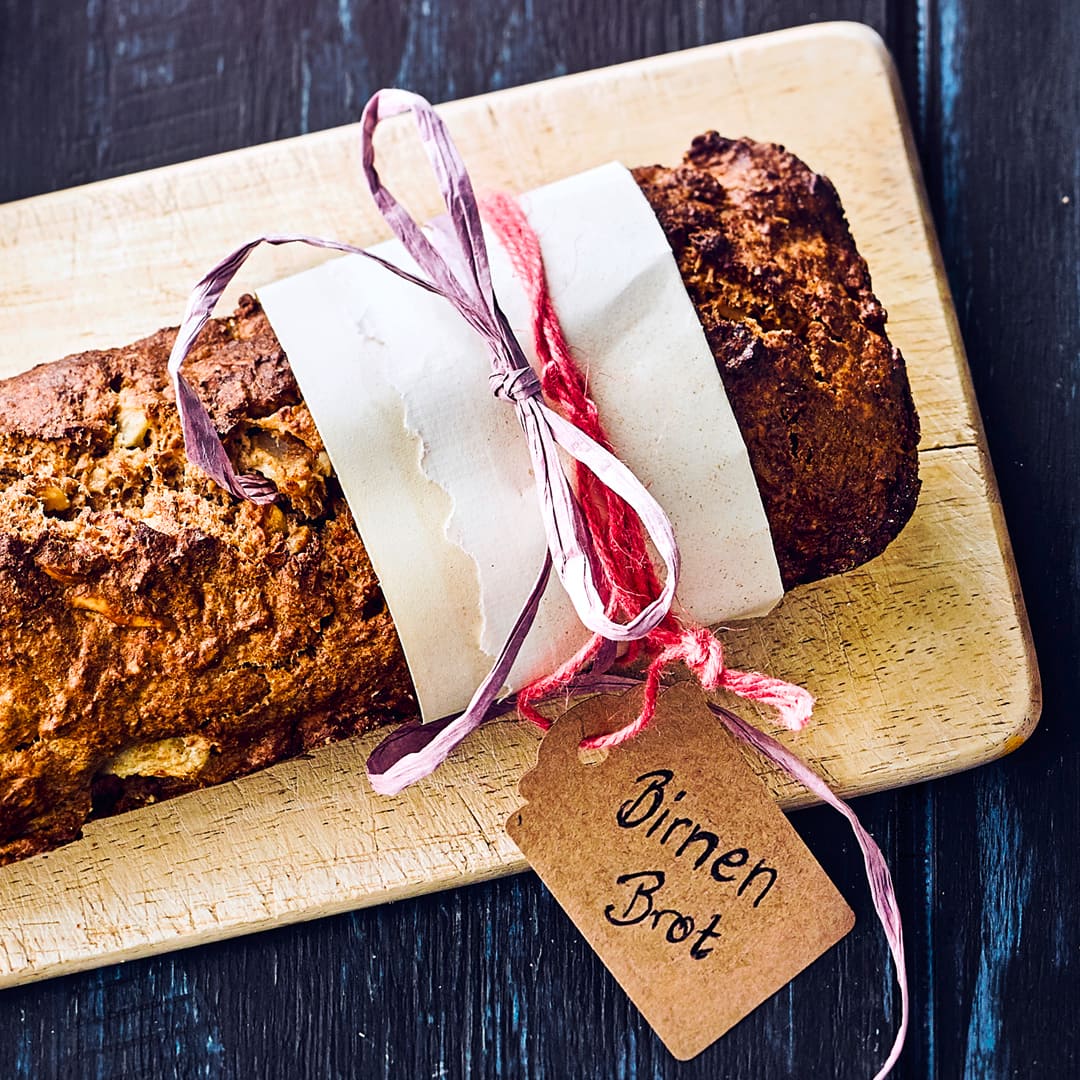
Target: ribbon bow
{"x": 454, "y": 258}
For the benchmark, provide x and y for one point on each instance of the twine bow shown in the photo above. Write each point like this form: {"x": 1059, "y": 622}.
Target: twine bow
{"x": 454, "y": 259}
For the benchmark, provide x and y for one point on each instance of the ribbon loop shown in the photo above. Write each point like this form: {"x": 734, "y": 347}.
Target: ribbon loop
{"x": 455, "y": 257}
{"x": 462, "y": 273}
{"x": 568, "y": 537}
{"x": 453, "y": 261}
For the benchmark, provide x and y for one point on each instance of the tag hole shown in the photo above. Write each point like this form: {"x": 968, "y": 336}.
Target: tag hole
{"x": 592, "y": 756}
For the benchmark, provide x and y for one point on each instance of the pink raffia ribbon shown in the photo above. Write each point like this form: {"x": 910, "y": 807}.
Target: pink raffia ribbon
{"x": 454, "y": 258}
{"x": 877, "y": 871}
{"x": 596, "y": 539}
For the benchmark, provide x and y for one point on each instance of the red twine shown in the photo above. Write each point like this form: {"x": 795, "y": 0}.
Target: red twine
{"x": 629, "y": 580}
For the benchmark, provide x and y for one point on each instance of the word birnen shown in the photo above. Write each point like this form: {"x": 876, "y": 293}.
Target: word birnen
{"x": 648, "y": 806}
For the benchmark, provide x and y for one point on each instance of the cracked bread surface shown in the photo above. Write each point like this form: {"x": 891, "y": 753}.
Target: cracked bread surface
{"x": 820, "y": 394}
{"x": 158, "y": 636}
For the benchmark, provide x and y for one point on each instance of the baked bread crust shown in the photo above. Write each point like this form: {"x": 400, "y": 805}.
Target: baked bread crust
{"x": 820, "y": 394}
{"x": 157, "y": 635}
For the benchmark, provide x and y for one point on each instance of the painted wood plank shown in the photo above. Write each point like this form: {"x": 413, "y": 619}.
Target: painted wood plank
{"x": 996, "y": 105}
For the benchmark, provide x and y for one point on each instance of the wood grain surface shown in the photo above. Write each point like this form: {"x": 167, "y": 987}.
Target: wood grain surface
{"x": 489, "y": 980}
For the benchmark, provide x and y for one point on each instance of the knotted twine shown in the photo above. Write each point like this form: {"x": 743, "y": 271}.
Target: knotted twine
{"x": 596, "y": 540}
{"x": 623, "y": 559}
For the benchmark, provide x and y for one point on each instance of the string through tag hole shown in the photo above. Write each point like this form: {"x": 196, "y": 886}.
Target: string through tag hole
{"x": 592, "y": 756}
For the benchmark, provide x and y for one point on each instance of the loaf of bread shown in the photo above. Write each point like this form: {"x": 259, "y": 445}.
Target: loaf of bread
{"x": 157, "y": 635}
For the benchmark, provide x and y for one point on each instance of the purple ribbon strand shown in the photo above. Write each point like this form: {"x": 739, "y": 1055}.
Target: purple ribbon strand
{"x": 454, "y": 259}
{"x": 877, "y": 870}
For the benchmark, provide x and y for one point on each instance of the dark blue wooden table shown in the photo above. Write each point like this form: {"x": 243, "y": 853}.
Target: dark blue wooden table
{"x": 492, "y": 981}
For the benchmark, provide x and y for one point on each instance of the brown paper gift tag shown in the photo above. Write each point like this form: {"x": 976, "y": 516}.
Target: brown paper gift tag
{"x": 676, "y": 865}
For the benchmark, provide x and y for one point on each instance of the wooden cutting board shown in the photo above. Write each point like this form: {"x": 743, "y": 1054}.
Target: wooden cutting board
{"x": 922, "y": 660}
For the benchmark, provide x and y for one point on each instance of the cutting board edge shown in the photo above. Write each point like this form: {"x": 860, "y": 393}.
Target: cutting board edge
{"x": 858, "y": 33}
{"x": 484, "y": 871}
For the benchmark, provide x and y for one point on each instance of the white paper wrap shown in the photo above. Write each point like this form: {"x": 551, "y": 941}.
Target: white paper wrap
{"x": 436, "y": 470}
